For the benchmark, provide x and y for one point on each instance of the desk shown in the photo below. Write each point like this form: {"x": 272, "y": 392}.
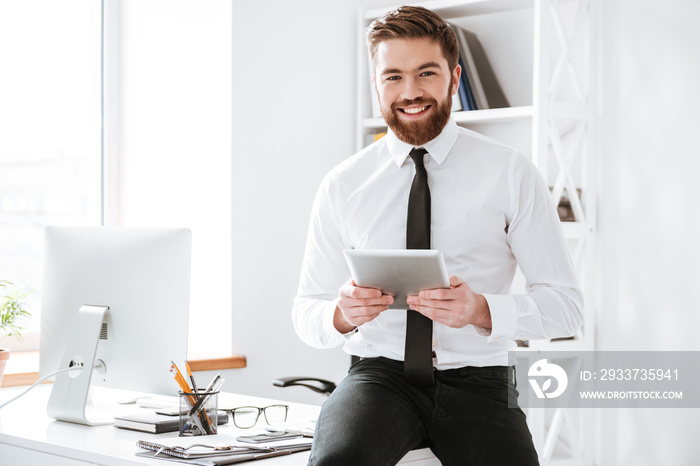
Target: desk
{"x": 30, "y": 438}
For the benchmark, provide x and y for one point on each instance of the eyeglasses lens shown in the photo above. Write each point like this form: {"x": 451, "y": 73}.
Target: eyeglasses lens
{"x": 276, "y": 414}
{"x": 245, "y": 418}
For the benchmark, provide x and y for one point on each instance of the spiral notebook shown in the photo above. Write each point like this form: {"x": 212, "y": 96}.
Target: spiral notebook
{"x": 208, "y": 455}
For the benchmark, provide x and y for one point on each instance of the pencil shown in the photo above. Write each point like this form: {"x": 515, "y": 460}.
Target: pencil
{"x": 177, "y": 375}
{"x": 180, "y": 378}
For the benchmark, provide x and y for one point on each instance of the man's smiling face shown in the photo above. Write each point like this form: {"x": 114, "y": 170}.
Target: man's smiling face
{"x": 415, "y": 88}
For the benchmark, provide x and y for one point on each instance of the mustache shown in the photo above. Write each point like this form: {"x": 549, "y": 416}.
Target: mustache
{"x": 407, "y": 102}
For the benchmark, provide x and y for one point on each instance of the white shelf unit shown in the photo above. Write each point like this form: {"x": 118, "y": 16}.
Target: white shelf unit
{"x": 543, "y": 52}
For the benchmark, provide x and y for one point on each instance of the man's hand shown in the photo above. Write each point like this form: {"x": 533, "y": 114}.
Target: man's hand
{"x": 455, "y": 307}
{"x": 358, "y": 305}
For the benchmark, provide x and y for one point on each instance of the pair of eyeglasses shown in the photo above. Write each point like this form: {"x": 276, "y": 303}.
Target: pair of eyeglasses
{"x": 246, "y": 417}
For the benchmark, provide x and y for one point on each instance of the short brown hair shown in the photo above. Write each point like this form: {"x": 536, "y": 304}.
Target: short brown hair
{"x": 413, "y": 22}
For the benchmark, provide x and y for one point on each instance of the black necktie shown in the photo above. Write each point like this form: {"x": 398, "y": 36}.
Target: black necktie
{"x": 418, "y": 359}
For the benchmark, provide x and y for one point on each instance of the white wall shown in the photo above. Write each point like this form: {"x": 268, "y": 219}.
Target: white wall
{"x": 168, "y": 116}
{"x": 648, "y": 211}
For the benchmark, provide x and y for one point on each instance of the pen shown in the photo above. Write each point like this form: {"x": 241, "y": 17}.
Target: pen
{"x": 198, "y": 408}
{"x": 213, "y": 382}
{"x": 189, "y": 372}
{"x": 198, "y": 424}
{"x": 213, "y": 386}
{"x": 217, "y": 386}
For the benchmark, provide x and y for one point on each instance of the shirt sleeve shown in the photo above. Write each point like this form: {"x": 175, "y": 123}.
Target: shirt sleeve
{"x": 551, "y": 306}
{"x": 324, "y": 270}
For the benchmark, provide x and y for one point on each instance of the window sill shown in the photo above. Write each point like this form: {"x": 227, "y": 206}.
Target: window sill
{"x": 22, "y": 367}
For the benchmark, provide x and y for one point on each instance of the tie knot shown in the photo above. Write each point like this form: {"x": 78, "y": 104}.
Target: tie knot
{"x": 417, "y": 156}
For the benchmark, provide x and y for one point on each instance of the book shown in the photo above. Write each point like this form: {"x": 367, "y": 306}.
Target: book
{"x": 488, "y": 88}
{"x": 466, "y": 95}
{"x": 155, "y": 423}
{"x": 470, "y": 74}
{"x": 480, "y": 81}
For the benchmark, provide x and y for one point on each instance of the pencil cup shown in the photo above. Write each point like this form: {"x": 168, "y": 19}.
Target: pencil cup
{"x": 198, "y": 413}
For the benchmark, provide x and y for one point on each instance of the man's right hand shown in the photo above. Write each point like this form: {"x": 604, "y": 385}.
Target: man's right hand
{"x": 358, "y": 305}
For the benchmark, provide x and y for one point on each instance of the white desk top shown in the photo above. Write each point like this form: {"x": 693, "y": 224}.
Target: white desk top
{"x": 25, "y": 427}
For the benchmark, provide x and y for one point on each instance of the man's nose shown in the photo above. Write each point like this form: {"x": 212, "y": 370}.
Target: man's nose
{"x": 412, "y": 89}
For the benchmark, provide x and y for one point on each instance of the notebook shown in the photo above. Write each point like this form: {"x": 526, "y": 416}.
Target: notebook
{"x": 154, "y": 423}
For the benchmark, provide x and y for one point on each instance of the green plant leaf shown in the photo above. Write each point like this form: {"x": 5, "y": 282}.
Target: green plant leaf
{"x": 12, "y": 312}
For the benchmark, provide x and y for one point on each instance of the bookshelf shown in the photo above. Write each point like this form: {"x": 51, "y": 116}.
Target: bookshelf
{"x": 543, "y": 53}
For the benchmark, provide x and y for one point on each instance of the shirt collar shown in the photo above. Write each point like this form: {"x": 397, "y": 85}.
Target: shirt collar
{"x": 438, "y": 148}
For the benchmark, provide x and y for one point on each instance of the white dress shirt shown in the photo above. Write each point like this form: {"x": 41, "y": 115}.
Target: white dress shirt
{"x": 491, "y": 211}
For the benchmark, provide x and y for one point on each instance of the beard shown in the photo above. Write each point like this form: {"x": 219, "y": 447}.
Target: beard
{"x": 418, "y": 133}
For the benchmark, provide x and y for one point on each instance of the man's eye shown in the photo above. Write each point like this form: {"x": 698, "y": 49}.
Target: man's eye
{"x": 427, "y": 73}
{"x": 393, "y": 78}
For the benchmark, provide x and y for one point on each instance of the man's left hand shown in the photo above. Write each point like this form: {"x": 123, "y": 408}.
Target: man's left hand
{"x": 455, "y": 307}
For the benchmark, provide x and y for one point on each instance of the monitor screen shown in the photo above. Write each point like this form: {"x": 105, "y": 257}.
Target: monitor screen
{"x": 142, "y": 275}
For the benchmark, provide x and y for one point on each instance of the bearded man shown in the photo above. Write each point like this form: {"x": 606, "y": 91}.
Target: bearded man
{"x": 487, "y": 208}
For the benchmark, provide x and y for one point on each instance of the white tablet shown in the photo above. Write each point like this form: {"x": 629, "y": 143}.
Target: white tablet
{"x": 398, "y": 272}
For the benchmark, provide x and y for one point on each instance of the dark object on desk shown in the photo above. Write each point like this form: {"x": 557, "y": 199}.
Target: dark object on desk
{"x": 324, "y": 387}
{"x": 155, "y": 423}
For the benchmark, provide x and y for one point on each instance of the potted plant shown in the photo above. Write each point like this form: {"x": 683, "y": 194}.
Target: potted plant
{"x": 12, "y": 316}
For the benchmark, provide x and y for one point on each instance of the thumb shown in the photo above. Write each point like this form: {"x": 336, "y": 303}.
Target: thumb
{"x": 456, "y": 281}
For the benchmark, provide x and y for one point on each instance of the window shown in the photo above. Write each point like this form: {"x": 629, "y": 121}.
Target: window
{"x": 50, "y": 133}
{"x": 160, "y": 87}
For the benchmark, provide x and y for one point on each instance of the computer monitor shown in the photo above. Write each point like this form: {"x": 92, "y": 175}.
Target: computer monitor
{"x": 116, "y": 298}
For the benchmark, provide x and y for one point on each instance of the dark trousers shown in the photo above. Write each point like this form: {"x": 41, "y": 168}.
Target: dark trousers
{"x": 374, "y": 418}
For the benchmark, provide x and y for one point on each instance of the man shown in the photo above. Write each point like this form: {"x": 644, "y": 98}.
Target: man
{"x": 490, "y": 211}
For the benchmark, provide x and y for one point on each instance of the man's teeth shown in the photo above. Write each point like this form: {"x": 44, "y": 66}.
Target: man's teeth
{"x": 413, "y": 111}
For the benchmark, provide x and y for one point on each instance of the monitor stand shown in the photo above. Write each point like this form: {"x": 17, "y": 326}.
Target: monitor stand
{"x": 70, "y": 400}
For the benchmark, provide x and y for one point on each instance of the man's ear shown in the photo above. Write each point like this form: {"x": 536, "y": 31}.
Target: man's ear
{"x": 456, "y": 73}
